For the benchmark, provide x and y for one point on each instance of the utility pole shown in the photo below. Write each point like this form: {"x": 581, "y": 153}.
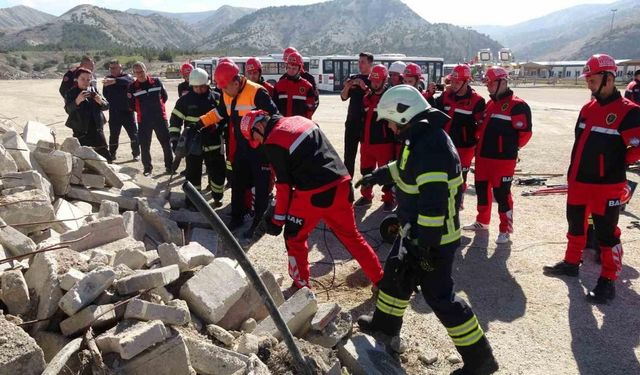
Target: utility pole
{"x": 468, "y": 53}
{"x": 613, "y": 15}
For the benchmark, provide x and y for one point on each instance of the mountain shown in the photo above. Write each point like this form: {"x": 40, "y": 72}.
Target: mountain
{"x": 346, "y": 27}
{"x": 92, "y": 27}
{"x": 570, "y": 33}
{"x": 221, "y": 18}
{"x": 188, "y": 18}
{"x": 22, "y": 17}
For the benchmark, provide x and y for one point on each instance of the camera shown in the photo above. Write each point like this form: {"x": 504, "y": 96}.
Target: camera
{"x": 93, "y": 90}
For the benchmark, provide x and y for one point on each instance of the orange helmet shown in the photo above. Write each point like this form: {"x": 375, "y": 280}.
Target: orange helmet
{"x": 461, "y": 73}
{"x": 495, "y": 73}
{"x": 378, "y": 74}
{"x": 295, "y": 58}
{"x": 253, "y": 64}
{"x": 186, "y": 69}
{"x": 412, "y": 70}
{"x": 225, "y": 72}
{"x": 288, "y": 51}
{"x": 247, "y": 125}
{"x": 599, "y": 64}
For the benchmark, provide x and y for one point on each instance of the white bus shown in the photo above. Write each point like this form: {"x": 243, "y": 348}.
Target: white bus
{"x": 331, "y": 71}
{"x": 273, "y": 67}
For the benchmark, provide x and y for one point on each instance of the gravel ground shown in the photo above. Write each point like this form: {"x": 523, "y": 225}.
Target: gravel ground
{"x": 537, "y": 325}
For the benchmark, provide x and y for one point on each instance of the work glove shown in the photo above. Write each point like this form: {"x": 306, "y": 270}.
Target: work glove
{"x": 174, "y": 143}
{"x": 375, "y": 178}
{"x": 197, "y": 126}
{"x": 426, "y": 258}
{"x": 272, "y": 228}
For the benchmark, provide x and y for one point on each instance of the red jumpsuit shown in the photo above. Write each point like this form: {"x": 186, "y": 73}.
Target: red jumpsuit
{"x": 312, "y": 184}
{"x": 377, "y": 146}
{"x": 294, "y": 96}
{"x": 607, "y": 139}
{"x": 505, "y": 129}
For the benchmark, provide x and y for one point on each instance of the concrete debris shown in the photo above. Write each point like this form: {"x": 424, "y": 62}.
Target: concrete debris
{"x": 70, "y": 145}
{"x": 133, "y": 258}
{"x": 247, "y": 344}
{"x": 143, "y": 310}
{"x": 336, "y": 330}
{"x": 31, "y": 179}
{"x": 14, "y": 241}
{"x": 71, "y": 278}
{"x": 206, "y": 238}
{"x": 31, "y": 206}
{"x": 363, "y": 355}
{"x": 96, "y": 316}
{"x": 19, "y": 353}
{"x": 18, "y": 150}
{"x": 168, "y": 358}
{"x": 186, "y": 257}
{"x": 429, "y": 357}
{"x": 147, "y": 279}
{"x": 87, "y": 290}
{"x": 15, "y": 293}
{"x": 50, "y": 343}
{"x": 57, "y": 165}
{"x": 220, "y": 334}
{"x": 209, "y": 359}
{"x": 7, "y": 164}
{"x": 34, "y": 132}
{"x": 327, "y": 312}
{"x": 70, "y": 216}
{"x": 249, "y": 325}
{"x": 108, "y": 208}
{"x": 97, "y": 195}
{"x": 134, "y": 225}
{"x": 130, "y": 338}
{"x": 94, "y": 181}
{"x": 57, "y": 363}
{"x": 99, "y": 164}
{"x": 297, "y": 312}
{"x": 42, "y": 277}
{"x": 102, "y": 231}
{"x": 158, "y": 219}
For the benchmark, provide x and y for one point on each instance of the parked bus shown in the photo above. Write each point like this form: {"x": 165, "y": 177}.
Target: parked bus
{"x": 273, "y": 67}
{"x": 331, "y": 72}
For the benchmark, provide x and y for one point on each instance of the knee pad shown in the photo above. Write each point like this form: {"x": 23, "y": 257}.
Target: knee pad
{"x": 576, "y": 219}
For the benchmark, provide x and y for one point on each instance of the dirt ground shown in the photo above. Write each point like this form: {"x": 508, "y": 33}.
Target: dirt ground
{"x": 536, "y": 324}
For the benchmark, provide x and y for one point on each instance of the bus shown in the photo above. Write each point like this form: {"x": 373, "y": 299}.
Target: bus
{"x": 273, "y": 67}
{"x": 331, "y": 71}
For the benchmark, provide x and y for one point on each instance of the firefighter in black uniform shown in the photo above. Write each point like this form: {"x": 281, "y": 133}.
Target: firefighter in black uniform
{"x": 204, "y": 144}
{"x": 429, "y": 184}
{"x": 69, "y": 80}
{"x": 633, "y": 89}
{"x": 116, "y": 86}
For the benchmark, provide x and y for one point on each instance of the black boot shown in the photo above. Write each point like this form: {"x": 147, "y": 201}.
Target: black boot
{"x": 478, "y": 359}
{"x": 604, "y": 291}
{"x": 235, "y": 223}
{"x": 561, "y": 268}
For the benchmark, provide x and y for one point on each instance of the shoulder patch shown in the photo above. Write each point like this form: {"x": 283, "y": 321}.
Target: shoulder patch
{"x": 504, "y": 107}
{"x": 611, "y": 118}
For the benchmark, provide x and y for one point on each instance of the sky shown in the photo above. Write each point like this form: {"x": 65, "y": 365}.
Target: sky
{"x": 486, "y": 12}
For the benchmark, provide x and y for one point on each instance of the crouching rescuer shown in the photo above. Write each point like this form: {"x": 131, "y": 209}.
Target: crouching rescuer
{"x": 429, "y": 187}
{"x": 312, "y": 184}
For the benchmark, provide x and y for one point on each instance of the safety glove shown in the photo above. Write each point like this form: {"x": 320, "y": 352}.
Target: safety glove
{"x": 374, "y": 178}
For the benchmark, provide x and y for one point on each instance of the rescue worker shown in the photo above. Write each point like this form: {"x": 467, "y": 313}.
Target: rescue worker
{"x": 465, "y": 107}
{"x": 312, "y": 184}
{"x": 633, "y": 89}
{"x": 294, "y": 95}
{"x": 505, "y": 129}
{"x": 147, "y": 96}
{"x": 202, "y": 144}
{"x": 253, "y": 70}
{"x": 184, "y": 86}
{"x": 377, "y": 147}
{"x": 355, "y": 88}
{"x": 428, "y": 178}
{"x": 413, "y": 77}
{"x": 115, "y": 89}
{"x": 70, "y": 77}
{"x": 607, "y": 139}
{"x": 304, "y": 74}
{"x": 396, "y": 70}
{"x": 249, "y": 166}
{"x": 85, "y": 105}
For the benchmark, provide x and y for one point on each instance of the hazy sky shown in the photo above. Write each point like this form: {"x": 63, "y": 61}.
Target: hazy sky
{"x": 486, "y": 12}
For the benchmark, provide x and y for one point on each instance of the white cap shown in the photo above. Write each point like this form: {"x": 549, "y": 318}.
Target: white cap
{"x": 397, "y": 67}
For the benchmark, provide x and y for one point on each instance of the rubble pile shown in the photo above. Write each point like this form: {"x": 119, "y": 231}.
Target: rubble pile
{"x": 99, "y": 275}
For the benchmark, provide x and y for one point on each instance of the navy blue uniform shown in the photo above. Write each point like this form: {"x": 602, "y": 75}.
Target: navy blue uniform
{"x": 120, "y": 114}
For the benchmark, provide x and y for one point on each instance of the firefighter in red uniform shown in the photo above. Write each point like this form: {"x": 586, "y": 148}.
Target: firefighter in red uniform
{"x": 184, "y": 87}
{"x": 396, "y": 71}
{"x": 413, "y": 77}
{"x": 253, "y": 70}
{"x": 505, "y": 129}
{"x": 607, "y": 139}
{"x": 377, "y": 141}
{"x": 465, "y": 107}
{"x": 633, "y": 89}
{"x": 304, "y": 74}
{"x": 293, "y": 94}
{"x": 312, "y": 184}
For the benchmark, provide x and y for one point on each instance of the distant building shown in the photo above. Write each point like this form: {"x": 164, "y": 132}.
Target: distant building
{"x": 571, "y": 69}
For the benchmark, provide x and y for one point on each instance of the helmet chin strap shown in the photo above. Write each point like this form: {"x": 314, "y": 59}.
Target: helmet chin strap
{"x": 603, "y": 82}
{"x": 460, "y": 89}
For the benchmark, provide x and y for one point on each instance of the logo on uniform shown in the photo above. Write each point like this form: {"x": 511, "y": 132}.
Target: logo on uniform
{"x": 507, "y": 179}
{"x": 613, "y": 203}
{"x": 611, "y": 117}
{"x": 295, "y": 220}
{"x": 505, "y": 106}
{"x": 634, "y": 142}
{"x": 519, "y": 125}
{"x": 302, "y": 90}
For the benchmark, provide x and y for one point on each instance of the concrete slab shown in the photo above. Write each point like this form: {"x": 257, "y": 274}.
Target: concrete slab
{"x": 19, "y": 353}
{"x": 297, "y": 312}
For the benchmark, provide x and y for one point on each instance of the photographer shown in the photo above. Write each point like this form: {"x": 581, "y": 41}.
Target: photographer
{"x": 84, "y": 105}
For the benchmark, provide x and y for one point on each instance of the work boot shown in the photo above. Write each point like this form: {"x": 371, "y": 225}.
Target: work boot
{"x": 562, "y": 268}
{"x": 604, "y": 291}
{"x": 503, "y": 238}
{"x": 235, "y": 223}
{"x": 488, "y": 367}
{"x": 478, "y": 359}
{"x": 217, "y": 203}
{"x": 365, "y": 322}
{"x": 147, "y": 172}
{"x": 363, "y": 202}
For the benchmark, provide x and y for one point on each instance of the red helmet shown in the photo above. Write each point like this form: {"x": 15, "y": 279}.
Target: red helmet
{"x": 378, "y": 73}
{"x": 248, "y": 122}
{"x": 295, "y": 58}
{"x": 598, "y": 64}
{"x": 288, "y": 51}
{"x": 186, "y": 69}
{"x": 495, "y": 73}
{"x": 224, "y": 73}
{"x": 412, "y": 70}
{"x": 252, "y": 64}
{"x": 461, "y": 73}
{"x": 225, "y": 59}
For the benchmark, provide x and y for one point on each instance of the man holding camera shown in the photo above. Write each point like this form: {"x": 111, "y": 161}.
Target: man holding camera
{"x": 84, "y": 105}
{"x": 116, "y": 86}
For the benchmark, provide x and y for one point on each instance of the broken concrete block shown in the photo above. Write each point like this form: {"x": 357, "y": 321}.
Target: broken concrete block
{"x": 85, "y": 207}
{"x": 36, "y": 131}
{"x": 333, "y": 332}
{"x": 99, "y": 164}
{"x": 14, "y": 241}
{"x": 250, "y": 305}
{"x": 58, "y": 166}
{"x": 220, "y": 334}
{"x": 96, "y": 196}
{"x": 205, "y": 237}
{"x": 256, "y": 367}
{"x": 186, "y": 257}
{"x": 28, "y": 179}
{"x": 93, "y": 181}
{"x": 152, "y": 258}
{"x": 132, "y": 258}
{"x": 70, "y": 145}
{"x": 327, "y": 312}
{"x": 363, "y": 355}
{"x": 99, "y": 255}
{"x": 77, "y": 169}
{"x": 31, "y": 206}
{"x": 214, "y": 290}
{"x": 18, "y": 150}
{"x": 70, "y": 216}
{"x": 108, "y": 208}
{"x": 15, "y": 293}
{"x": 143, "y": 310}
{"x": 42, "y": 277}
{"x": 163, "y": 295}
{"x": 209, "y": 359}
{"x": 99, "y": 232}
{"x": 247, "y": 344}
{"x": 148, "y": 185}
{"x": 50, "y": 343}
{"x": 134, "y": 225}
{"x": 249, "y": 325}
{"x": 130, "y": 338}
{"x": 87, "y": 290}
{"x": 297, "y": 312}
{"x": 123, "y": 243}
{"x": 157, "y": 219}
{"x": 147, "y": 279}
{"x": 7, "y": 164}
{"x": 167, "y": 358}
{"x": 71, "y": 278}
{"x": 196, "y": 219}
{"x": 96, "y": 316}
{"x": 19, "y": 353}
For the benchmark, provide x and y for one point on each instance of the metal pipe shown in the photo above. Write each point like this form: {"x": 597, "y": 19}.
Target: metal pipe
{"x": 214, "y": 220}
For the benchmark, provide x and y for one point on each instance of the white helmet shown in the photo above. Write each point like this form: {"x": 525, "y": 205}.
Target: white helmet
{"x": 397, "y": 67}
{"x": 198, "y": 77}
{"x": 401, "y": 103}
